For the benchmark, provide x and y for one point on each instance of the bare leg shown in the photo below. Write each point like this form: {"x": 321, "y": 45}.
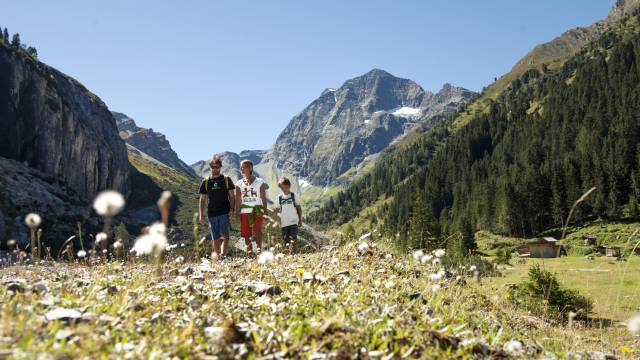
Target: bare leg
{"x": 216, "y": 246}
{"x": 247, "y": 243}
{"x": 225, "y": 244}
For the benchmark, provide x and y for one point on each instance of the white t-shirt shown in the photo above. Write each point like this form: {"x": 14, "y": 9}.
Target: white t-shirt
{"x": 288, "y": 213}
{"x": 250, "y": 193}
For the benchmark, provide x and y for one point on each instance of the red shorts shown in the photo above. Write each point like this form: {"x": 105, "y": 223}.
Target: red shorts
{"x": 245, "y": 229}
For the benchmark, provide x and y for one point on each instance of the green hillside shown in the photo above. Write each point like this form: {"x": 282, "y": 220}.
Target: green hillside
{"x": 517, "y": 168}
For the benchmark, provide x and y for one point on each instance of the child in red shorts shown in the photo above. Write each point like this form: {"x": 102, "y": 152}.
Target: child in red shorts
{"x": 251, "y": 202}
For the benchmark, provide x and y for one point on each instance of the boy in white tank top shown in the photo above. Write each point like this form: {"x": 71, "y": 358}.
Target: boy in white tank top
{"x": 251, "y": 202}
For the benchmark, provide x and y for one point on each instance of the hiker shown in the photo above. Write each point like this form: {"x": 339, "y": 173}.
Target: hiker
{"x": 220, "y": 191}
{"x": 251, "y": 202}
{"x": 290, "y": 214}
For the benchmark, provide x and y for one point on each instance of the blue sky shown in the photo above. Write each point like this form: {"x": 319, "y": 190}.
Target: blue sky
{"x": 202, "y": 72}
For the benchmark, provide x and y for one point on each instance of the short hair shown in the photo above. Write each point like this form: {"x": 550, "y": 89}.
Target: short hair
{"x": 284, "y": 181}
{"x": 216, "y": 160}
{"x": 246, "y": 162}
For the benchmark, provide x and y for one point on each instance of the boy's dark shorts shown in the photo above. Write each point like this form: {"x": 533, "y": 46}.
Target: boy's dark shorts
{"x": 290, "y": 232}
{"x": 219, "y": 226}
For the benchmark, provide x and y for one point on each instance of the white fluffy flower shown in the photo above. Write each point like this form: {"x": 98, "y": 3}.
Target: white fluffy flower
{"x": 514, "y": 347}
{"x": 363, "y": 246}
{"x": 437, "y": 276}
{"x": 388, "y": 256}
{"x": 265, "y": 257}
{"x": 364, "y": 237}
{"x": 435, "y": 288}
{"x": 33, "y": 220}
{"x": 150, "y": 243}
{"x": 82, "y": 254}
{"x": 117, "y": 244}
{"x": 436, "y": 261}
{"x": 158, "y": 228}
{"x": 389, "y": 284}
{"x": 426, "y": 258}
{"x": 472, "y": 268}
{"x": 633, "y": 325}
{"x": 100, "y": 237}
{"x": 438, "y": 253}
{"x": 163, "y": 201}
{"x": 109, "y": 203}
{"x": 417, "y": 255}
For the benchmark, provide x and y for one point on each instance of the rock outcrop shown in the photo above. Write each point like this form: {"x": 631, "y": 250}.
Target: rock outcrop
{"x": 53, "y": 124}
{"x": 151, "y": 143}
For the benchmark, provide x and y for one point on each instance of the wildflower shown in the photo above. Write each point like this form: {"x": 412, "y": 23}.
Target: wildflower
{"x": 33, "y": 221}
{"x": 435, "y": 288}
{"x": 389, "y": 284}
{"x": 436, "y": 261}
{"x": 179, "y": 260}
{"x": 11, "y": 243}
{"x": 334, "y": 261}
{"x": 365, "y": 237}
{"x": 265, "y": 257}
{"x": 514, "y": 347}
{"x": 82, "y": 254}
{"x": 388, "y": 256}
{"x": 417, "y": 255}
{"x": 426, "y": 258}
{"x": 117, "y": 244}
{"x": 100, "y": 237}
{"x": 633, "y": 325}
{"x": 438, "y": 253}
{"x": 150, "y": 243}
{"x": 363, "y": 246}
{"x": 158, "y": 228}
{"x": 279, "y": 256}
{"x": 163, "y": 201}
{"x": 437, "y": 276}
{"x": 109, "y": 203}
{"x": 472, "y": 268}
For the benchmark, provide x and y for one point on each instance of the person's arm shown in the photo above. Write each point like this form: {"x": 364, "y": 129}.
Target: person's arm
{"x": 237, "y": 201}
{"x": 203, "y": 200}
{"x": 299, "y": 211}
{"x": 263, "y": 195}
{"x": 232, "y": 201}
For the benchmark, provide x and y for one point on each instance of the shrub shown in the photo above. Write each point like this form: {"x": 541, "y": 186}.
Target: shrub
{"x": 456, "y": 260}
{"x": 503, "y": 255}
{"x": 543, "y": 295}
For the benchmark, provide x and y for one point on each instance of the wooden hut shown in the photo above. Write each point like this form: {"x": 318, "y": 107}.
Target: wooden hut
{"x": 589, "y": 239}
{"x": 612, "y": 251}
{"x": 544, "y": 247}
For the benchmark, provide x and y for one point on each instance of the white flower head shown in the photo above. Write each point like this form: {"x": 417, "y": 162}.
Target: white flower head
{"x": 388, "y": 256}
{"x": 117, "y": 244}
{"x": 438, "y": 253}
{"x": 426, "y": 258}
{"x": 435, "y": 288}
{"x": 514, "y": 347}
{"x": 417, "y": 255}
{"x": 364, "y": 237}
{"x": 435, "y": 261}
{"x": 109, "y": 203}
{"x": 163, "y": 201}
{"x": 363, "y": 246}
{"x": 158, "y": 228}
{"x": 437, "y": 276}
{"x": 33, "y": 220}
{"x": 82, "y": 254}
{"x": 151, "y": 243}
{"x": 265, "y": 257}
{"x": 389, "y": 284}
{"x": 633, "y": 325}
{"x": 472, "y": 268}
{"x": 100, "y": 237}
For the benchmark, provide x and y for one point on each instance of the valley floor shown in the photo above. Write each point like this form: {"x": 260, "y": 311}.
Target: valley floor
{"x": 349, "y": 302}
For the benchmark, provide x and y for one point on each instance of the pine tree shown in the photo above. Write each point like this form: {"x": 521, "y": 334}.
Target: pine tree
{"x": 33, "y": 52}
{"x": 5, "y": 35}
{"x": 15, "y": 41}
{"x": 467, "y": 238}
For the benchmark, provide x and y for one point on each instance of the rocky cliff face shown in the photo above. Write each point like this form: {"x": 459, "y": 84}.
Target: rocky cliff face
{"x": 152, "y": 143}
{"x": 53, "y": 124}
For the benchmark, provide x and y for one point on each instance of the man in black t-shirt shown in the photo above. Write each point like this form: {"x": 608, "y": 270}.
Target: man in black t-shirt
{"x": 220, "y": 193}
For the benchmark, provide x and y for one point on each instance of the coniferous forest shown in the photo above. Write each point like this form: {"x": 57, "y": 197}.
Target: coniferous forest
{"x": 518, "y": 167}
